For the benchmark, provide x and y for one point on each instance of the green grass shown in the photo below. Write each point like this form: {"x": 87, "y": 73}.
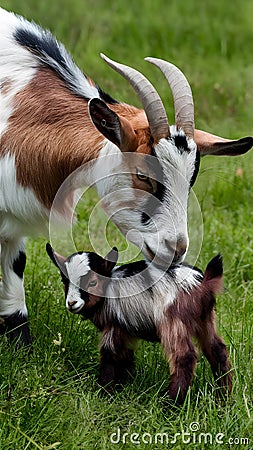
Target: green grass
{"x": 50, "y": 397}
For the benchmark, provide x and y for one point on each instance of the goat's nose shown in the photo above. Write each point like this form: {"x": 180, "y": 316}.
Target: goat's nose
{"x": 71, "y": 303}
{"x": 178, "y": 248}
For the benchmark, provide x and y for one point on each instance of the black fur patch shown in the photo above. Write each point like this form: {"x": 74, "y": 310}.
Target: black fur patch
{"x": 196, "y": 169}
{"x": 18, "y": 330}
{"x": 96, "y": 263}
{"x": 105, "y": 120}
{"x": 106, "y": 97}
{"x": 145, "y": 218}
{"x": 215, "y": 267}
{"x": 181, "y": 143}
{"x": 65, "y": 281}
{"x": 146, "y": 333}
{"x": 44, "y": 45}
{"x": 233, "y": 148}
{"x": 129, "y": 270}
{"x": 19, "y": 264}
{"x": 135, "y": 268}
{"x": 207, "y": 306}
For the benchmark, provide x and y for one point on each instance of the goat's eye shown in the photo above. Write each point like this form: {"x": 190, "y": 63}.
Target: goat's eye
{"x": 93, "y": 283}
{"x": 142, "y": 176}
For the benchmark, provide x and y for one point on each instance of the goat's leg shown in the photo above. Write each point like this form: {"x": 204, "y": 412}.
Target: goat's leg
{"x": 182, "y": 356}
{"x": 116, "y": 358}
{"x": 215, "y": 350}
{"x": 13, "y": 311}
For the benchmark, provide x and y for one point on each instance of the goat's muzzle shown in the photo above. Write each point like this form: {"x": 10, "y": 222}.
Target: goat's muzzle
{"x": 178, "y": 249}
{"x": 71, "y": 305}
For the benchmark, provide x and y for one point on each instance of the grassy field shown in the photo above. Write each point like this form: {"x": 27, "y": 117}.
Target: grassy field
{"x": 50, "y": 398}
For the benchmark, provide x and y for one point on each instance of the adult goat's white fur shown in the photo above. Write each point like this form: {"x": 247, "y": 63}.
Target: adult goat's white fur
{"x": 54, "y": 119}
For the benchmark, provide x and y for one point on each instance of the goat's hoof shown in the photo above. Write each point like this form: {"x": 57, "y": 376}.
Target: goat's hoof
{"x": 107, "y": 389}
{"x": 176, "y": 395}
{"x": 224, "y": 386}
{"x": 2, "y": 326}
{"x": 17, "y": 330}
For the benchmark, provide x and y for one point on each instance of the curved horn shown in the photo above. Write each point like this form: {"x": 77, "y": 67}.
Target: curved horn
{"x": 182, "y": 95}
{"x": 151, "y": 102}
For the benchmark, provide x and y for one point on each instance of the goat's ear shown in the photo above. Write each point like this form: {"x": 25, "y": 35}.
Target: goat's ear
{"x": 209, "y": 144}
{"x": 110, "y": 260}
{"x": 57, "y": 259}
{"x": 118, "y": 130}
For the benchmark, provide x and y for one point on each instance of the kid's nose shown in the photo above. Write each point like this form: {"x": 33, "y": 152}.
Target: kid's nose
{"x": 71, "y": 303}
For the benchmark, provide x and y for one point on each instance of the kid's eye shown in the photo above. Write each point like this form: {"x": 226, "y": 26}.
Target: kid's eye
{"x": 93, "y": 283}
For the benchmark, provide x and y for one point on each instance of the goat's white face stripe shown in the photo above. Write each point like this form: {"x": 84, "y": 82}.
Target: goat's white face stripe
{"x": 77, "y": 267}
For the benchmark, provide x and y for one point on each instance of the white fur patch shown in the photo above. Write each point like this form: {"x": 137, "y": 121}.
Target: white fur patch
{"x": 21, "y": 214}
{"x": 13, "y": 298}
{"x": 77, "y": 267}
{"x": 18, "y": 66}
{"x": 12, "y": 294}
{"x": 186, "y": 277}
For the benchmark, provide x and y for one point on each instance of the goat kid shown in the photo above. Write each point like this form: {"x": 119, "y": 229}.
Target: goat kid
{"x": 54, "y": 120}
{"x": 141, "y": 301}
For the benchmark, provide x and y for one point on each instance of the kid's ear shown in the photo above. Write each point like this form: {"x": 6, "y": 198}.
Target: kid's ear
{"x": 57, "y": 259}
{"x": 111, "y": 259}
